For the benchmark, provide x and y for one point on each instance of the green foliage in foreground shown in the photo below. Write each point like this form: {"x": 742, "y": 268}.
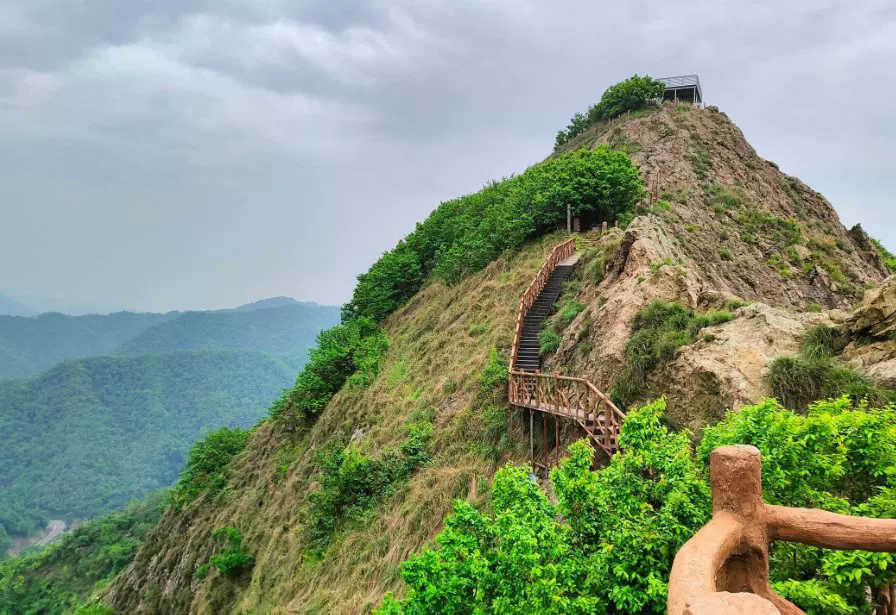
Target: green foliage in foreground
{"x": 207, "y": 463}
{"x": 657, "y": 331}
{"x": 54, "y": 581}
{"x": 839, "y": 457}
{"x": 232, "y": 559}
{"x": 633, "y": 94}
{"x": 494, "y": 374}
{"x": 352, "y": 481}
{"x": 889, "y": 257}
{"x": 608, "y": 545}
{"x": 90, "y": 435}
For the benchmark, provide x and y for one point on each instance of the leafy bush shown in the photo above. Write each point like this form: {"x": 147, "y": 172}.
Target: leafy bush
{"x": 725, "y": 254}
{"x": 207, "y": 463}
{"x": 232, "y": 559}
{"x": 494, "y": 374}
{"x": 839, "y": 457}
{"x": 889, "y": 257}
{"x": 350, "y": 482}
{"x": 607, "y": 546}
{"x": 548, "y": 341}
{"x": 633, "y": 94}
{"x": 657, "y": 331}
{"x": 386, "y": 286}
{"x": 350, "y": 350}
{"x": 799, "y": 381}
{"x": 567, "y": 313}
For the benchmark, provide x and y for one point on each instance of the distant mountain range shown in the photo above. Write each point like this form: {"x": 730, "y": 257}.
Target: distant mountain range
{"x": 14, "y": 308}
{"x": 98, "y": 410}
{"x": 281, "y": 326}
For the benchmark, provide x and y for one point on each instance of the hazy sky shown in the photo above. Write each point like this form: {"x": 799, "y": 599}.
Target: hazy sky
{"x": 169, "y": 154}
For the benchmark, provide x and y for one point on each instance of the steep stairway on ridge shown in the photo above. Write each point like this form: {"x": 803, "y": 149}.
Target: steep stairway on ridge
{"x": 529, "y": 356}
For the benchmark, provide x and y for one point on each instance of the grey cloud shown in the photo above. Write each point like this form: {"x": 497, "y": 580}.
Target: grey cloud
{"x": 162, "y": 155}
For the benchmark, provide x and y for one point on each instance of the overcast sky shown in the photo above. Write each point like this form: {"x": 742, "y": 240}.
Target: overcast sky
{"x": 172, "y": 154}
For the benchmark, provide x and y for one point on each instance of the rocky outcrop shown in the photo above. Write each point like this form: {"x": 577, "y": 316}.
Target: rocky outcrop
{"x": 873, "y": 329}
{"x": 876, "y": 316}
{"x": 726, "y": 368}
{"x": 720, "y": 223}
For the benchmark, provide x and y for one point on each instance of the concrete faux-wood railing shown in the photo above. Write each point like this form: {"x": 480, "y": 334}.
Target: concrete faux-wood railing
{"x": 723, "y": 569}
{"x": 567, "y": 397}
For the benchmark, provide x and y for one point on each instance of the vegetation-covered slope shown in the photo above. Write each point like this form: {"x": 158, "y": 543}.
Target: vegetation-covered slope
{"x": 31, "y": 345}
{"x": 288, "y": 331}
{"x": 90, "y": 435}
{"x": 345, "y": 492}
{"x": 58, "y": 579}
{"x": 440, "y": 344}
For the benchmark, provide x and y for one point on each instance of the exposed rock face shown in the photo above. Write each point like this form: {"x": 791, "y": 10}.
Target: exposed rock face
{"x": 876, "y": 316}
{"x": 873, "y": 324}
{"x": 725, "y": 369}
{"x": 724, "y": 223}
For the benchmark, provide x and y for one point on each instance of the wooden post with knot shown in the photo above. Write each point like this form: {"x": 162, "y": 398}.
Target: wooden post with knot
{"x": 723, "y": 569}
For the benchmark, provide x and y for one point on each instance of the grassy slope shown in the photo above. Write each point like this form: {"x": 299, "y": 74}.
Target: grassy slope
{"x": 431, "y": 371}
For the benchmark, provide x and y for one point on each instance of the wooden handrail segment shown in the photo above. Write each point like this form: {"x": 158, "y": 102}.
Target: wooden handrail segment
{"x": 723, "y": 569}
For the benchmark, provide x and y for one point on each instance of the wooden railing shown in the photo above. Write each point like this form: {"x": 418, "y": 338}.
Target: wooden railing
{"x": 574, "y": 398}
{"x": 560, "y": 253}
{"x": 723, "y": 569}
{"x": 565, "y": 396}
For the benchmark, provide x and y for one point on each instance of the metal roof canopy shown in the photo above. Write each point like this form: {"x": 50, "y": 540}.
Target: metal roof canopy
{"x": 683, "y": 87}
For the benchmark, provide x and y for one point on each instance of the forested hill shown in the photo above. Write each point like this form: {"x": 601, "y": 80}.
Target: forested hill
{"x": 31, "y": 345}
{"x": 92, "y": 434}
{"x": 288, "y": 330}
{"x": 281, "y": 326}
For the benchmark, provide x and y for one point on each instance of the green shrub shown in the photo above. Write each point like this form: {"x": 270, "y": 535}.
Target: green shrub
{"x": 815, "y": 308}
{"x": 732, "y": 305}
{"x": 821, "y": 342}
{"x": 633, "y": 94}
{"x": 666, "y": 262}
{"x": 351, "y": 350}
{"x": 725, "y": 254}
{"x": 232, "y": 559}
{"x": 548, "y": 341}
{"x": 351, "y": 482}
{"x": 494, "y": 374}
{"x": 839, "y": 457}
{"x": 799, "y": 381}
{"x": 814, "y": 597}
{"x": 207, "y": 464}
{"x": 889, "y": 257}
{"x": 606, "y": 547}
{"x": 568, "y": 312}
{"x": 657, "y": 331}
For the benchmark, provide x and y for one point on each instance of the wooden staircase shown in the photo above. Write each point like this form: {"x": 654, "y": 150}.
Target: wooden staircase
{"x": 528, "y": 354}
{"x": 566, "y": 397}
